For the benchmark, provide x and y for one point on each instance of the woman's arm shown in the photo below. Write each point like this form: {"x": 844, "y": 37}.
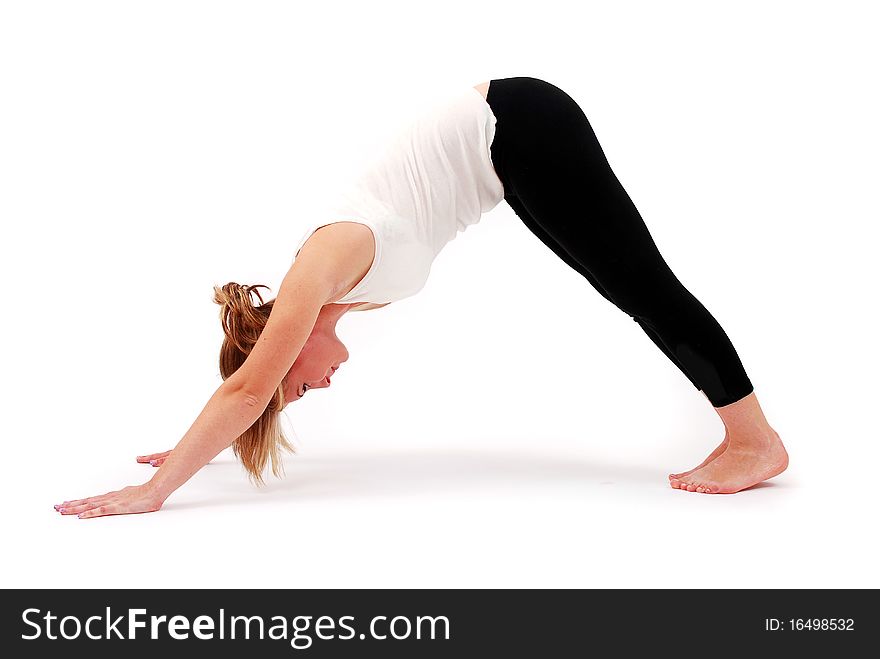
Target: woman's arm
{"x": 228, "y": 413}
{"x": 328, "y": 266}
{"x": 243, "y": 397}
{"x": 233, "y": 408}
{"x": 226, "y": 416}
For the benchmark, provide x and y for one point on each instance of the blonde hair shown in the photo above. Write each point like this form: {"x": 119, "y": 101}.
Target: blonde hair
{"x": 243, "y": 322}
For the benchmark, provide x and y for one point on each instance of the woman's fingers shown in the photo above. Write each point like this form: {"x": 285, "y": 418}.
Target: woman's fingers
{"x": 153, "y": 456}
{"x": 131, "y": 499}
{"x": 72, "y": 507}
{"x": 90, "y": 500}
{"x": 76, "y": 502}
{"x": 75, "y": 510}
{"x": 100, "y": 511}
{"x": 158, "y": 462}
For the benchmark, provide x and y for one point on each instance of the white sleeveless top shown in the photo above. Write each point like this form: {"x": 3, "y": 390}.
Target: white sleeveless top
{"x": 434, "y": 180}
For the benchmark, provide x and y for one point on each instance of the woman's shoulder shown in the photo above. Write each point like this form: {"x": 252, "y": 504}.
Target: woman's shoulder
{"x": 343, "y": 251}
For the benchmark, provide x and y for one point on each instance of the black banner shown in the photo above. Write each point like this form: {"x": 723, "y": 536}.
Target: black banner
{"x": 432, "y": 623}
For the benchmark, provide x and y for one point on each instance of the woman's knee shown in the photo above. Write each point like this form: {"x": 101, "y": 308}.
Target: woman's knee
{"x": 646, "y": 295}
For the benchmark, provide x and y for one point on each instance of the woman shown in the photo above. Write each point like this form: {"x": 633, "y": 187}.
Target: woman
{"x": 519, "y": 139}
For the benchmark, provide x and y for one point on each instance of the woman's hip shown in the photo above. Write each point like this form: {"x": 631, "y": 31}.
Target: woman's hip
{"x": 540, "y": 131}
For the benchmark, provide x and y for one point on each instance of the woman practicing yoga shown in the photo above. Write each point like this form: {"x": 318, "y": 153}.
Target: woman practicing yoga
{"x": 519, "y": 139}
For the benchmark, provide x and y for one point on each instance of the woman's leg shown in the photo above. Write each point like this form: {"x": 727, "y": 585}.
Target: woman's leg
{"x": 553, "y": 164}
{"x": 560, "y": 251}
{"x": 590, "y": 215}
{"x": 548, "y": 240}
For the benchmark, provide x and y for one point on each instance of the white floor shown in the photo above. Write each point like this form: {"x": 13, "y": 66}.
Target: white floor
{"x": 479, "y": 513}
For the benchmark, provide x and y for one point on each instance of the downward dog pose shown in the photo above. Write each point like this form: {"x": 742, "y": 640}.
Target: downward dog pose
{"x": 522, "y": 140}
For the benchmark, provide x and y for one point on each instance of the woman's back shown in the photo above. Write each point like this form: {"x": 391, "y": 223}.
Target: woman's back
{"x": 433, "y": 180}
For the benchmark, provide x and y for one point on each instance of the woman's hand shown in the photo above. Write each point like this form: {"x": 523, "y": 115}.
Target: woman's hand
{"x": 229, "y": 412}
{"x": 155, "y": 459}
{"x": 128, "y": 500}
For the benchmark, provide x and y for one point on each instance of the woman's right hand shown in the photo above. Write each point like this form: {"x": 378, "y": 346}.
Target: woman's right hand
{"x": 155, "y": 459}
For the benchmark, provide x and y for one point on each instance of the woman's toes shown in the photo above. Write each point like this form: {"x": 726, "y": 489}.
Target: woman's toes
{"x": 692, "y": 487}
{"x": 700, "y": 489}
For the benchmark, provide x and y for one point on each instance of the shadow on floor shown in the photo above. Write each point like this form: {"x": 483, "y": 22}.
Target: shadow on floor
{"x": 405, "y": 473}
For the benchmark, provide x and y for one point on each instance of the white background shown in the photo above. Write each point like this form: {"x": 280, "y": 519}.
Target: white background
{"x": 506, "y": 427}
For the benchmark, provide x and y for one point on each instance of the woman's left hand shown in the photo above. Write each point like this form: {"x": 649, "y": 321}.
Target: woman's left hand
{"x": 127, "y": 501}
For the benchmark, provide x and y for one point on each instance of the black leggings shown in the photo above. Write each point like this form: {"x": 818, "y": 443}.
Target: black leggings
{"x": 558, "y": 181}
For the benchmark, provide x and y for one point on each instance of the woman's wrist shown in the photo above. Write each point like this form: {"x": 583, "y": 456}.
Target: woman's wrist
{"x": 154, "y": 490}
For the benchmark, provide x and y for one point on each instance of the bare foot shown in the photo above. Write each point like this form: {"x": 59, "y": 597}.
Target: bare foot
{"x": 714, "y": 454}
{"x": 747, "y": 461}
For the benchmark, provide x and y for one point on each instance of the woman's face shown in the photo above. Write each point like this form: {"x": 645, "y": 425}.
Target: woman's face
{"x": 320, "y": 357}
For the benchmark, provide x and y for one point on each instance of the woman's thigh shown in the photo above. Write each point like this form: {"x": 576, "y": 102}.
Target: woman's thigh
{"x": 558, "y": 179}
{"x": 587, "y": 212}
{"x": 549, "y": 241}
